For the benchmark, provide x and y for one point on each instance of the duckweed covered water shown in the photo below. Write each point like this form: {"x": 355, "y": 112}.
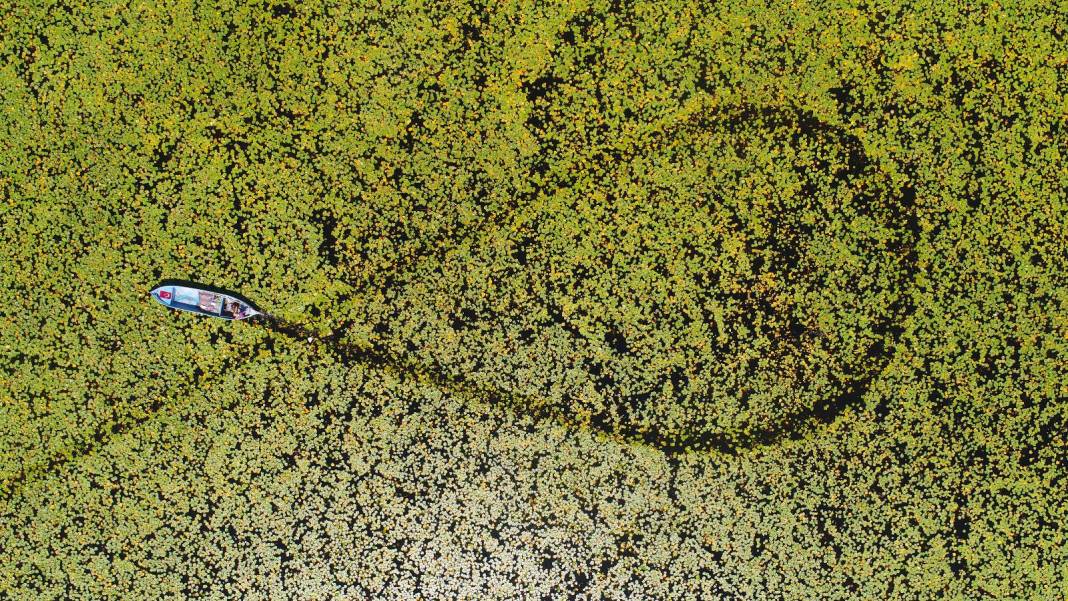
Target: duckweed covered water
{"x": 606, "y": 300}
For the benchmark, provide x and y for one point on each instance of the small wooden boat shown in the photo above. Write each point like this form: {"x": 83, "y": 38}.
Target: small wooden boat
{"x": 203, "y": 300}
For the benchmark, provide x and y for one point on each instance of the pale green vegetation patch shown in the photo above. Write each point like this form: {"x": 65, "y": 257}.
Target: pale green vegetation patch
{"x": 671, "y": 300}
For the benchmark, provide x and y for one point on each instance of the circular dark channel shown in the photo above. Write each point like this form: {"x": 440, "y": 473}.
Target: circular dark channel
{"x": 730, "y": 282}
{"x": 740, "y": 277}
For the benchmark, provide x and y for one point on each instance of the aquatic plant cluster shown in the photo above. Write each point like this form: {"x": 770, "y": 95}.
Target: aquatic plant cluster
{"x": 598, "y": 299}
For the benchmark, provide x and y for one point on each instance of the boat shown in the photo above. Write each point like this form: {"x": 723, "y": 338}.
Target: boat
{"x": 203, "y": 300}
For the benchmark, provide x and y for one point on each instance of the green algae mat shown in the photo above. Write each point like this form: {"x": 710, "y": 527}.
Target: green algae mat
{"x": 621, "y": 300}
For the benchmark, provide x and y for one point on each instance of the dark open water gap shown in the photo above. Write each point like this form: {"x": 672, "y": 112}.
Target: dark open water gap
{"x": 900, "y": 204}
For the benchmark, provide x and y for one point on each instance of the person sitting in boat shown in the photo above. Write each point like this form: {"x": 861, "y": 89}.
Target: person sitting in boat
{"x": 233, "y": 309}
